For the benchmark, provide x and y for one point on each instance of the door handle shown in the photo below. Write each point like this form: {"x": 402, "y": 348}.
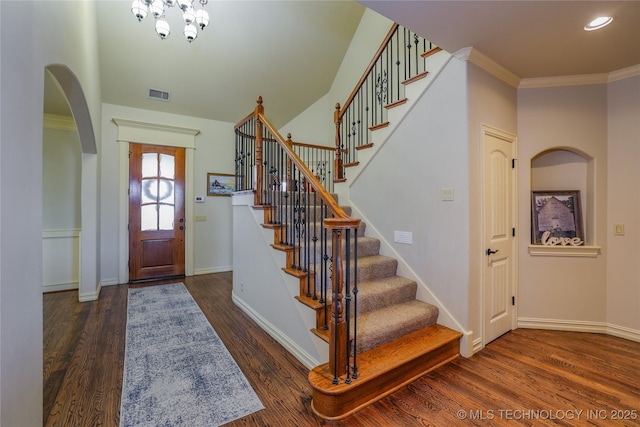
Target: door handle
{"x": 490, "y": 252}
{"x": 182, "y": 227}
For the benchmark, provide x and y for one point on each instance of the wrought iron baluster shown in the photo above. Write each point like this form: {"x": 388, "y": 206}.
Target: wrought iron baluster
{"x": 347, "y": 293}
{"x": 355, "y": 306}
{"x": 416, "y": 42}
{"x": 313, "y": 267}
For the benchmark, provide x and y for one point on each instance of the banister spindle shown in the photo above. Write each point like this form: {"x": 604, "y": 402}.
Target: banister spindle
{"x": 339, "y": 172}
{"x": 259, "y": 174}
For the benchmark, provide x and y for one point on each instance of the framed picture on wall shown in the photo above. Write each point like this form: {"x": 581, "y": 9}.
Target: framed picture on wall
{"x": 556, "y": 218}
{"x": 220, "y": 184}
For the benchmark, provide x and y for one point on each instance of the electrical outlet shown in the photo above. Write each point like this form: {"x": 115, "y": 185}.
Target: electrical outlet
{"x": 405, "y": 237}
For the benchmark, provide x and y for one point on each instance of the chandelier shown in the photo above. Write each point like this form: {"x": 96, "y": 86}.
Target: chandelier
{"x": 140, "y": 9}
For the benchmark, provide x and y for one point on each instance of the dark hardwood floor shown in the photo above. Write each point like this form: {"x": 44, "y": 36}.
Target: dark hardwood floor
{"x": 526, "y": 377}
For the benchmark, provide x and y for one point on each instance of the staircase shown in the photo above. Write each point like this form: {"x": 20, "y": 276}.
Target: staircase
{"x": 380, "y": 336}
{"x": 398, "y": 338}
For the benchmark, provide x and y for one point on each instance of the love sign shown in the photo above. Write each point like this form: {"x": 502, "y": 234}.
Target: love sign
{"x": 547, "y": 240}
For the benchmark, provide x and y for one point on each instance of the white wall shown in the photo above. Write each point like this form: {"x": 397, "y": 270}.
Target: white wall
{"x": 623, "y": 207}
{"x": 315, "y": 125}
{"x": 24, "y": 55}
{"x": 214, "y": 152}
{"x": 401, "y": 187}
{"x": 267, "y": 293}
{"x": 564, "y": 290}
{"x": 491, "y": 102}
{"x": 61, "y": 173}
{"x": 61, "y": 177}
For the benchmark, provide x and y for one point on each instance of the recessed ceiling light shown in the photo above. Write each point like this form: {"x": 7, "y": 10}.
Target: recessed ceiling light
{"x": 599, "y": 22}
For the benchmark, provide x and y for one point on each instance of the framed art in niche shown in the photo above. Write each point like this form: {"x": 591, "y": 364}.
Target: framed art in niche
{"x": 556, "y": 218}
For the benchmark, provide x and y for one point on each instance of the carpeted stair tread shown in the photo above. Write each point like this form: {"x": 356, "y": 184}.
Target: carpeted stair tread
{"x": 379, "y": 293}
{"x": 380, "y": 326}
{"x": 375, "y": 267}
{"x": 367, "y": 246}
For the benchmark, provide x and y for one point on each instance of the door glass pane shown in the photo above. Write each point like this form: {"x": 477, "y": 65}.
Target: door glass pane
{"x": 166, "y": 191}
{"x": 166, "y": 217}
{"x": 167, "y": 168}
{"x": 148, "y": 217}
{"x": 149, "y": 164}
{"x": 149, "y": 191}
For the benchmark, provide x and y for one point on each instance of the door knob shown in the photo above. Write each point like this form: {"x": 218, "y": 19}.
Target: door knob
{"x": 490, "y": 252}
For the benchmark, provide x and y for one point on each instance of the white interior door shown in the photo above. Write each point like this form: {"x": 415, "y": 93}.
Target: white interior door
{"x": 499, "y": 273}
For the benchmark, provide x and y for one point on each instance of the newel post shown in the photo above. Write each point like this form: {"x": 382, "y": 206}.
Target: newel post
{"x": 338, "y": 339}
{"x": 257, "y": 197}
{"x": 339, "y": 171}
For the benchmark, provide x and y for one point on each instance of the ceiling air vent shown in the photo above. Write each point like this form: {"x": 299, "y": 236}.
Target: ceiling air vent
{"x": 160, "y": 95}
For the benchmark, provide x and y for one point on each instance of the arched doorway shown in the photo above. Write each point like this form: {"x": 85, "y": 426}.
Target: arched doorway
{"x": 69, "y": 91}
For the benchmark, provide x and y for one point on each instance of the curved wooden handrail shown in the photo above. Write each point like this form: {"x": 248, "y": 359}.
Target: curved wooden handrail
{"x": 243, "y": 121}
{"x": 306, "y": 145}
{"x": 381, "y": 49}
{"x": 339, "y": 214}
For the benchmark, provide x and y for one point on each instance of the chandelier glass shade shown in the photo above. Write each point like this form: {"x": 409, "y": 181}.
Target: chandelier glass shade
{"x": 158, "y": 8}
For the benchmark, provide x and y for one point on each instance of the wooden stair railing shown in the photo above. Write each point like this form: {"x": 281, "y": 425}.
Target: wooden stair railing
{"x": 291, "y": 196}
{"x": 400, "y": 60}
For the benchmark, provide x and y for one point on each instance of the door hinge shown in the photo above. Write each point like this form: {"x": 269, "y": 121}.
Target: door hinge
{"x": 513, "y": 163}
{"x": 129, "y": 154}
{"x": 513, "y": 300}
{"x": 513, "y": 232}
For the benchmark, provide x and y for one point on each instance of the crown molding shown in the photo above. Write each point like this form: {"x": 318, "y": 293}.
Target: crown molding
{"x": 557, "y": 81}
{"x": 625, "y": 73}
{"x": 482, "y": 61}
{"x": 58, "y": 122}
{"x": 580, "y": 80}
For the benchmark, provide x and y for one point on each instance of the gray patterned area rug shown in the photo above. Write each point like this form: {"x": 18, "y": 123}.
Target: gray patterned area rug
{"x": 177, "y": 371}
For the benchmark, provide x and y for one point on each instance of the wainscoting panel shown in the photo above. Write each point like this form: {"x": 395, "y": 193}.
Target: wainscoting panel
{"x": 60, "y": 259}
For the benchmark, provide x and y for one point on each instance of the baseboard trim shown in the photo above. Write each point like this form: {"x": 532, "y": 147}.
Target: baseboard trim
{"x": 580, "y": 326}
{"x": 478, "y": 344}
{"x": 109, "y": 282}
{"x": 90, "y": 296}
{"x": 276, "y": 334}
{"x": 211, "y": 270}
{"x": 57, "y": 287}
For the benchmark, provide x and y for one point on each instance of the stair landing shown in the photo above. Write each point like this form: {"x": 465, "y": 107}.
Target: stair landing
{"x": 383, "y": 370}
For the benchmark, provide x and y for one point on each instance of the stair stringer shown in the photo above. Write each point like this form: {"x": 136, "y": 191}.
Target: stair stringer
{"x": 268, "y": 297}
{"x": 413, "y": 92}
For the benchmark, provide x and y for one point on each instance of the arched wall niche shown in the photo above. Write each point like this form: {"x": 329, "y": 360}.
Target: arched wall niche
{"x": 568, "y": 169}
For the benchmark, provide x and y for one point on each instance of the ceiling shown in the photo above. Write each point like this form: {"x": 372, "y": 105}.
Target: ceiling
{"x": 289, "y": 51}
{"x": 528, "y": 38}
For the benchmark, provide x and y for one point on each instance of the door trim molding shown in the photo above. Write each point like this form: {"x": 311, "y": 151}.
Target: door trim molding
{"x": 130, "y": 131}
{"x": 487, "y": 130}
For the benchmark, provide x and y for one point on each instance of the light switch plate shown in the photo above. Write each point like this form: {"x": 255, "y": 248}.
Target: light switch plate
{"x": 618, "y": 229}
{"x": 447, "y": 194}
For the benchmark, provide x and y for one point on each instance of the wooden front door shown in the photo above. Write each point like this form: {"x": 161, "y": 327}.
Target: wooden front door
{"x": 156, "y": 212}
